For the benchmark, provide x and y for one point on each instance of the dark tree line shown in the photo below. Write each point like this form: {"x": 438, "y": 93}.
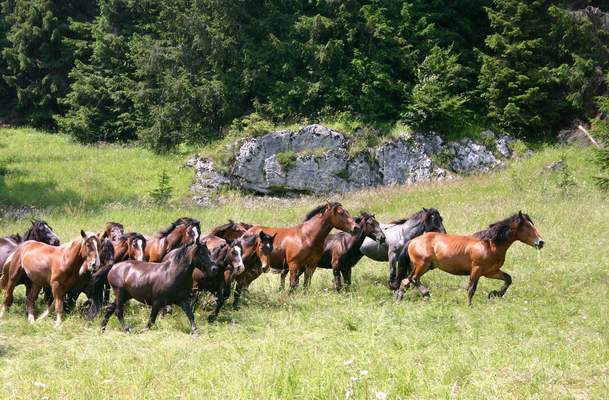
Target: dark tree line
{"x": 168, "y": 72}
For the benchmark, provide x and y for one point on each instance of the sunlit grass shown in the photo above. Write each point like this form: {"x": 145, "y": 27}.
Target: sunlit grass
{"x": 546, "y": 339}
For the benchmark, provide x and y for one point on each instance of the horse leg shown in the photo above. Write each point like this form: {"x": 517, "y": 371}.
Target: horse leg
{"x": 191, "y": 317}
{"x": 346, "y": 272}
{"x": 284, "y": 273}
{"x": 109, "y": 311}
{"x": 337, "y": 281}
{"x": 294, "y": 275}
{"x": 12, "y": 279}
{"x": 507, "y": 281}
{"x": 121, "y": 299}
{"x": 156, "y": 307}
{"x": 58, "y": 293}
{"x": 474, "y": 277}
{"x": 219, "y": 303}
{"x": 393, "y": 261}
{"x": 424, "y": 291}
{"x": 237, "y": 295}
{"x": 308, "y": 274}
{"x": 31, "y": 299}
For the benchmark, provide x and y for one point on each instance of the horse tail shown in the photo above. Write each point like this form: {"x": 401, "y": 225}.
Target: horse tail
{"x": 98, "y": 281}
{"x": 404, "y": 265}
{"x": 4, "y": 273}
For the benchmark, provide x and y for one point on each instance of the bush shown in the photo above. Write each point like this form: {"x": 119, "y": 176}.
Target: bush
{"x": 162, "y": 193}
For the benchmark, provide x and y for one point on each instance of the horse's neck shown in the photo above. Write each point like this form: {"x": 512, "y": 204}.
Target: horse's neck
{"x": 71, "y": 256}
{"x": 317, "y": 229}
{"x": 29, "y": 235}
{"x": 501, "y": 250}
{"x": 120, "y": 249}
{"x": 170, "y": 241}
{"x": 355, "y": 241}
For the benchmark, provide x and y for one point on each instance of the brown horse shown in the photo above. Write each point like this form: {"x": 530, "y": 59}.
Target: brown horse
{"x": 158, "y": 284}
{"x": 231, "y": 230}
{"x": 181, "y": 232}
{"x": 299, "y": 248}
{"x": 481, "y": 254}
{"x": 57, "y": 267}
{"x": 227, "y": 256}
{"x": 342, "y": 250}
{"x": 113, "y": 231}
{"x": 39, "y": 231}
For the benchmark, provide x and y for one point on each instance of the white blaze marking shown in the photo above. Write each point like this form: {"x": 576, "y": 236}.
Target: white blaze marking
{"x": 141, "y": 255}
{"x": 239, "y": 260}
{"x": 97, "y": 262}
{"x": 196, "y": 234}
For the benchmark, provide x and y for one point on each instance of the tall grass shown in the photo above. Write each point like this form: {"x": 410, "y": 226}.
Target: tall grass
{"x": 547, "y": 338}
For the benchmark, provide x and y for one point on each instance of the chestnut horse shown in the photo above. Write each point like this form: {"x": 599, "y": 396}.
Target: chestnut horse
{"x": 231, "y": 230}
{"x": 299, "y": 248}
{"x": 481, "y": 254}
{"x": 342, "y": 250}
{"x": 227, "y": 257}
{"x": 181, "y": 232}
{"x": 158, "y": 284}
{"x": 57, "y": 267}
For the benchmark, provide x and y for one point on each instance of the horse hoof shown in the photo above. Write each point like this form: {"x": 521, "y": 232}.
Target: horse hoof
{"x": 426, "y": 298}
{"x": 399, "y": 296}
{"x": 195, "y": 332}
{"x": 211, "y": 318}
{"x": 492, "y": 294}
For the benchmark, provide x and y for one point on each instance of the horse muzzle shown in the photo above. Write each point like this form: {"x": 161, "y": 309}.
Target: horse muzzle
{"x": 539, "y": 243}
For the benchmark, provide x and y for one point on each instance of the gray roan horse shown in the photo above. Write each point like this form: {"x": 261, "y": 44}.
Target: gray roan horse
{"x": 397, "y": 235}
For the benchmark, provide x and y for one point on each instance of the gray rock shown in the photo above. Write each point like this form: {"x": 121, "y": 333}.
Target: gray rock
{"x": 322, "y": 163}
{"x": 555, "y": 165}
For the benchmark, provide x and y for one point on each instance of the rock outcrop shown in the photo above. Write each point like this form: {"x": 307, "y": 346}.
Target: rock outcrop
{"x": 316, "y": 159}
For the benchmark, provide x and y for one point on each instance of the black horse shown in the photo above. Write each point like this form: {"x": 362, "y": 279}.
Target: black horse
{"x": 39, "y": 231}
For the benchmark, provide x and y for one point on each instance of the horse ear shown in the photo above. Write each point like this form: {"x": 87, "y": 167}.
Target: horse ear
{"x": 425, "y": 209}
{"x": 520, "y": 214}
{"x": 358, "y": 220}
{"x": 83, "y": 234}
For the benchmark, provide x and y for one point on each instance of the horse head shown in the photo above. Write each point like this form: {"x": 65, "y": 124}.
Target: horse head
{"x": 525, "y": 231}
{"x": 235, "y": 257}
{"x": 136, "y": 243}
{"x": 113, "y": 231}
{"x": 89, "y": 250}
{"x": 370, "y": 227}
{"x": 264, "y": 249}
{"x": 340, "y": 218}
{"x": 433, "y": 221}
{"x": 42, "y": 232}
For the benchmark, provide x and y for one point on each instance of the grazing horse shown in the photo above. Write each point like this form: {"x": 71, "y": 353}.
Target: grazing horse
{"x": 342, "y": 250}
{"x": 481, "y": 254}
{"x": 40, "y": 231}
{"x": 181, "y": 232}
{"x": 228, "y": 258}
{"x": 397, "y": 234}
{"x": 57, "y": 267}
{"x": 113, "y": 231}
{"x": 257, "y": 250}
{"x": 299, "y": 248}
{"x": 158, "y": 284}
{"x": 231, "y": 230}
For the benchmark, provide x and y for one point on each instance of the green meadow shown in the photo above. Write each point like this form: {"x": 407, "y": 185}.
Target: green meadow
{"x": 548, "y": 338}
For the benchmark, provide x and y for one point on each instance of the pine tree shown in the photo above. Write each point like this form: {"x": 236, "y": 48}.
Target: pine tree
{"x": 37, "y": 58}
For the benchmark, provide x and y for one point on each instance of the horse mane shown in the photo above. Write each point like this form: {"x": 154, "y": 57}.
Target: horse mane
{"x": 220, "y": 252}
{"x": 176, "y": 223}
{"x": 181, "y": 252}
{"x": 106, "y": 252}
{"x": 500, "y": 231}
{"x": 320, "y": 209}
{"x": 419, "y": 216}
{"x": 16, "y": 238}
{"x": 131, "y": 235}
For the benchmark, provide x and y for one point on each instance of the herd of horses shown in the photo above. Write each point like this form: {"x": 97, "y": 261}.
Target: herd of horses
{"x": 175, "y": 265}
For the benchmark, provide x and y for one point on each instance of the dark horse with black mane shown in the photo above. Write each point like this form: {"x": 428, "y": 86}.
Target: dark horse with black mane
{"x": 397, "y": 234}
{"x": 231, "y": 230}
{"x": 342, "y": 250}
{"x": 158, "y": 284}
{"x": 480, "y": 254}
{"x": 181, "y": 232}
{"x": 40, "y": 231}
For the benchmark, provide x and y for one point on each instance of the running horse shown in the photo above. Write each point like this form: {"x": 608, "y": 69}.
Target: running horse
{"x": 181, "y": 232}
{"x": 158, "y": 284}
{"x": 299, "y": 248}
{"x": 398, "y": 233}
{"x": 113, "y": 231}
{"x": 342, "y": 250}
{"x": 257, "y": 250}
{"x": 228, "y": 258}
{"x": 45, "y": 265}
{"x": 481, "y": 254}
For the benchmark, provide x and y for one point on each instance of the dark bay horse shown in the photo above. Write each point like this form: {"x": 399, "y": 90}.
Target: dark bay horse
{"x": 45, "y": 265}
{"x": 299, "y": 248}
{"x": 257, "y": 250}
{"x": 181, "y": 232}
{"x": 481, "y": 254}
{"x": 228, "y": 258}
{"x": 342, "y": 250}
{"x": 397, "y": 234}
{"x": 158, "y": 284}
{"x": 40, "y": 231}
{"x": 231, "y": 230}
{"x": 113, "y": 231}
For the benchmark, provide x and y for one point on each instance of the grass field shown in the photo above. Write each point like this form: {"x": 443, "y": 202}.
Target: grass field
{"x": 547, "y": 339}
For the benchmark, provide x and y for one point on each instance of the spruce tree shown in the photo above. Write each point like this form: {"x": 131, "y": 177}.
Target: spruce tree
{"x": 600, "y": 131}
